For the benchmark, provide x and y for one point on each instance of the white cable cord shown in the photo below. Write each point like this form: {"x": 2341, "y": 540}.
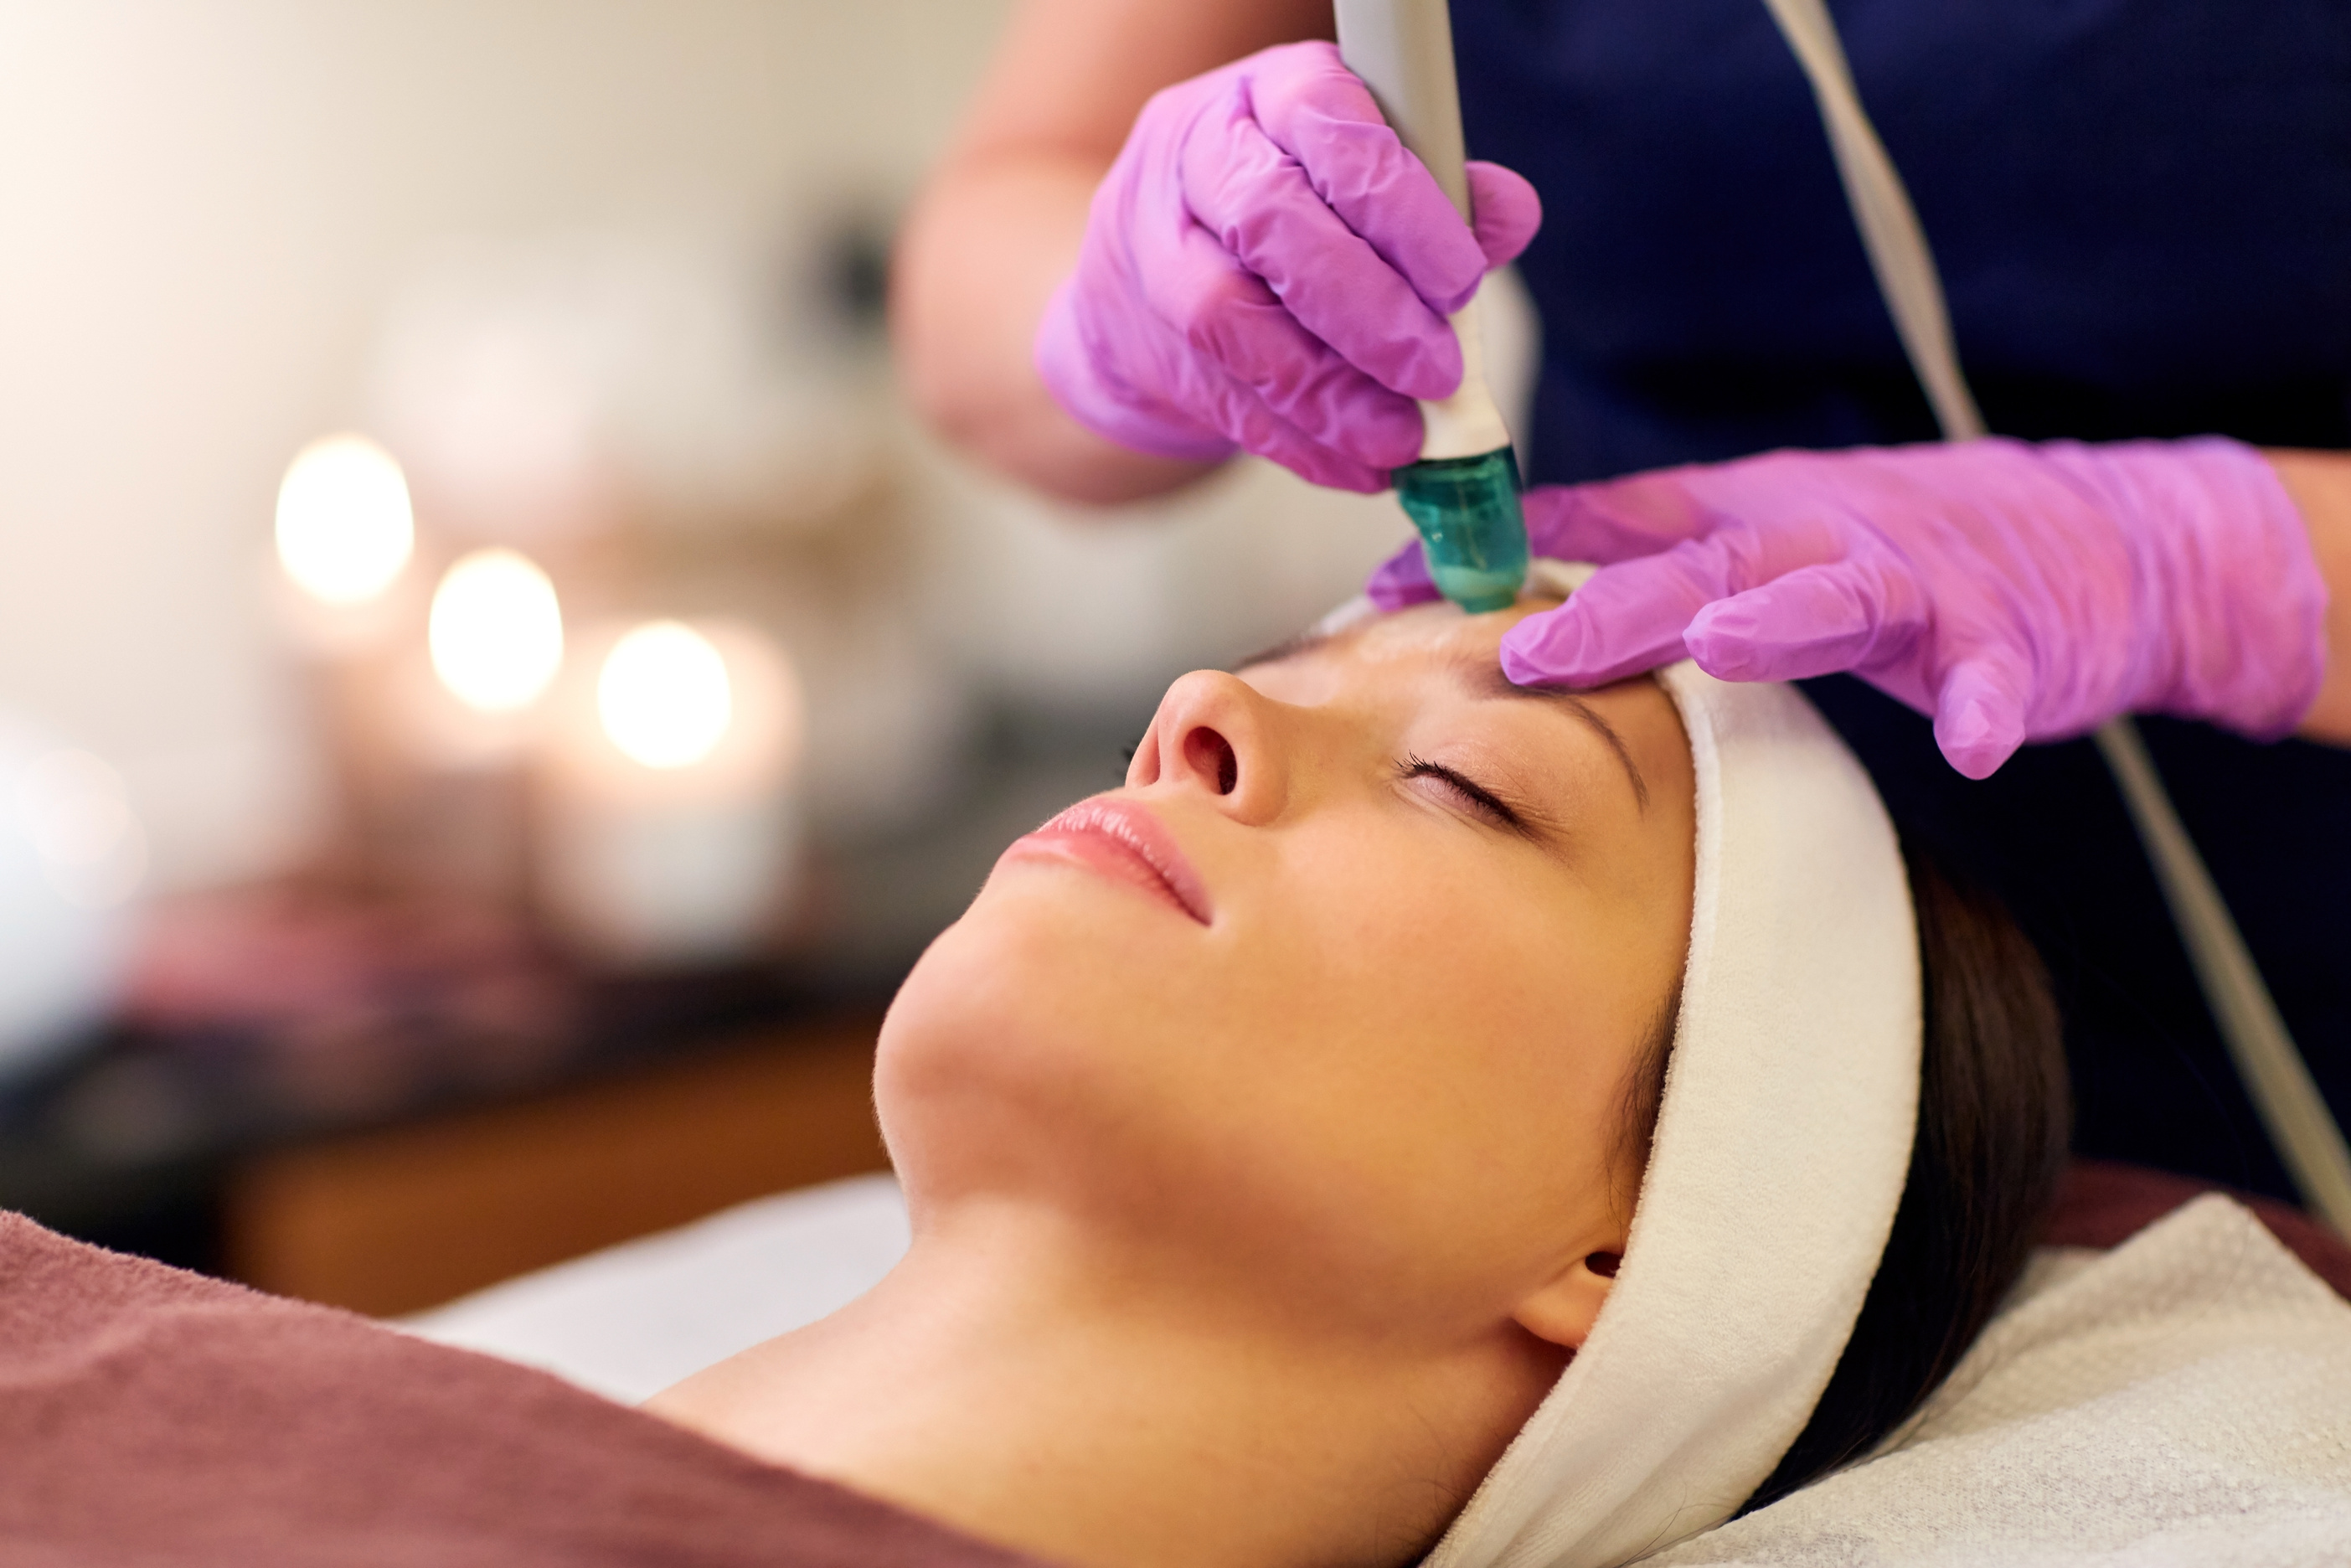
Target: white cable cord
{"x": 1881, "y": 207}
{"x": 2292, "y": 1108}
{"x": 2300, "y": 1125}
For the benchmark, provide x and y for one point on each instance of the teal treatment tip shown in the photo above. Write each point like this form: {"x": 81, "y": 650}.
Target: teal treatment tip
{"x": 1471, "y": 531}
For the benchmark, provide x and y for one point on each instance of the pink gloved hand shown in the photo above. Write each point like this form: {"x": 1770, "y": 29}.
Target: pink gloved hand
{"x": 2013, "y": 591}
{"x": 1266, "y": 268}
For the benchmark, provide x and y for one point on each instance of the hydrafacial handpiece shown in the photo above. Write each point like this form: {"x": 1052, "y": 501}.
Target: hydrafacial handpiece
{"x": 1463, "y": 493}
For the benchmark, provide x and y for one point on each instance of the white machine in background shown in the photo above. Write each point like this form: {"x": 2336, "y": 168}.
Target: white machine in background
{"x": 72, "y": 856}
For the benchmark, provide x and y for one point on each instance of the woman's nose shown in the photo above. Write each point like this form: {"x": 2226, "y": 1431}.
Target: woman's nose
{"x": 1214, "y": 733}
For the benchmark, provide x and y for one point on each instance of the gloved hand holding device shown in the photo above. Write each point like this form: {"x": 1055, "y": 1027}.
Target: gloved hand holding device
{"x": 2014, "y": 592}
{"x": 1267, "y": 269}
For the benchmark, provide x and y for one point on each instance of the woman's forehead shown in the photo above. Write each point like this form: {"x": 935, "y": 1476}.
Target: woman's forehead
{"x": 1398, "y": 653}
{"x": 1427, "y": 639}
{"x": 1423, "y": 635}
{"x": 1437, "y": 632}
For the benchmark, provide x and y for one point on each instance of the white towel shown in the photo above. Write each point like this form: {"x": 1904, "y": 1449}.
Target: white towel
{"x": 2181, "y": 1402}
{"x": 629, "y": 1321}
{"x": 1779, "y": 1156}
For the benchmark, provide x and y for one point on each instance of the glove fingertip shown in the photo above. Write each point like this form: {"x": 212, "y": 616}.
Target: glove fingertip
{"x": 1432, "y": 371}
{"x": 1447, "y": 305}
{"x": 1549, "y": 649}
{"x": 1977, "y": 761}
{"x": 1976, "y": 736}
{"x": 1730, "y": 654}
{"x": 1386, "y": 431}
{"x": 1390, "y": 597}
{"x": 1739, "y": 639}
{"x": 1506, "y": 209}
{"x": 1401, "y": 581}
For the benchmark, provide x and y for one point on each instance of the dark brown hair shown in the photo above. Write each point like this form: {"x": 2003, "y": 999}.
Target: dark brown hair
{"x": 1994, "y": 1116}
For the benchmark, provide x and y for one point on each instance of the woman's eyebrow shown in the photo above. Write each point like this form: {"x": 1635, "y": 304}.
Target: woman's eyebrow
{"x": 1486, "y": 678}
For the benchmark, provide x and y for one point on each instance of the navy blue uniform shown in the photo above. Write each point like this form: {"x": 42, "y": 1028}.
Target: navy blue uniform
{"x": 2142, "y": 212}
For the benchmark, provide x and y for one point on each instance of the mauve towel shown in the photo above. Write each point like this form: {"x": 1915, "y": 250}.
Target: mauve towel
{"x": 148, "y": 1416}
{"x": 2104, "y": 1204}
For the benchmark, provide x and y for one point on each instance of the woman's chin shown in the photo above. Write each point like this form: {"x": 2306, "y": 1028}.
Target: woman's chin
{"x": 1040, "y": 986}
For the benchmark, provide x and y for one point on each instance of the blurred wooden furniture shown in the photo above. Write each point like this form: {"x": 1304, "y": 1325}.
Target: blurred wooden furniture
{"x": 408, "y": 1217}
{"x": 382, "y": 1104}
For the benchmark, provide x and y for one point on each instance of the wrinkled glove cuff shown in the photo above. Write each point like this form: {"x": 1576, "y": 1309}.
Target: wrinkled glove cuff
{"x": 2230, "y": 583}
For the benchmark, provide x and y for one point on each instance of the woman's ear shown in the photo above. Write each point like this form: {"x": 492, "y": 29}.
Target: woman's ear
{"x": 1564, "y": 1310}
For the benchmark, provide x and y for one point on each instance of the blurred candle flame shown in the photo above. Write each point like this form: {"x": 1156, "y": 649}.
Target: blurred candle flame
{"x": 345, "y": 529}
{"x": 664, "y": 696}
{"x": 496, "y": 633}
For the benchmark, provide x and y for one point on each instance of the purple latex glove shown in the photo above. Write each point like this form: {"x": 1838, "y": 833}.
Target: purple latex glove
{"x": 1266, "y": 268}
{"x": 2013, "y": 591}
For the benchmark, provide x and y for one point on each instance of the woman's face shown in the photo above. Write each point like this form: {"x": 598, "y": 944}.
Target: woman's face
{"x": 1335, "y": 1003}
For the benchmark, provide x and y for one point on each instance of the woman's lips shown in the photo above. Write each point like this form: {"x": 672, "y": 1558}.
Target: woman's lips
{"x": 1122, "y": 840}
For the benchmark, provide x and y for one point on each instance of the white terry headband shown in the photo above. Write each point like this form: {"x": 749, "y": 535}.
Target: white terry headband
{"x": 1781, "y": 1146}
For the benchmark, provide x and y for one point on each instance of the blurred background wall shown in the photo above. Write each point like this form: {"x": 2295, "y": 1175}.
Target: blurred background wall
{"x": 204, "y": 210}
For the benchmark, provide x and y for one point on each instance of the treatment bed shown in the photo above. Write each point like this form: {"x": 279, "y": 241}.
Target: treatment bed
{"x": 2171, "y": 1382}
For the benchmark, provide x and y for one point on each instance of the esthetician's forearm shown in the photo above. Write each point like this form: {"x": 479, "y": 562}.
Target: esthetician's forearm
{"x": 2320, "y": 484}
{"x": 1000, "y": 223}
{"x": 981, "y": 255}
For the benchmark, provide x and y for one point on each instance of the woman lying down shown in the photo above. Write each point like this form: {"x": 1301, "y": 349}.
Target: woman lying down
{"x": 1415, "y": 1117}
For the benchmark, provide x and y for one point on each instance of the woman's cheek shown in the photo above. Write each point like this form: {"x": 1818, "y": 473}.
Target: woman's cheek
{"x": 1455, "y": 936}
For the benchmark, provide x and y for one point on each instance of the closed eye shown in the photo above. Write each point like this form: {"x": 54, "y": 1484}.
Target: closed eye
{"x": 1479, "y": 799}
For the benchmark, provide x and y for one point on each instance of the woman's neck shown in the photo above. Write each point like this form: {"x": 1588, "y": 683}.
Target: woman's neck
{"x": 1009, "y": 1383}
